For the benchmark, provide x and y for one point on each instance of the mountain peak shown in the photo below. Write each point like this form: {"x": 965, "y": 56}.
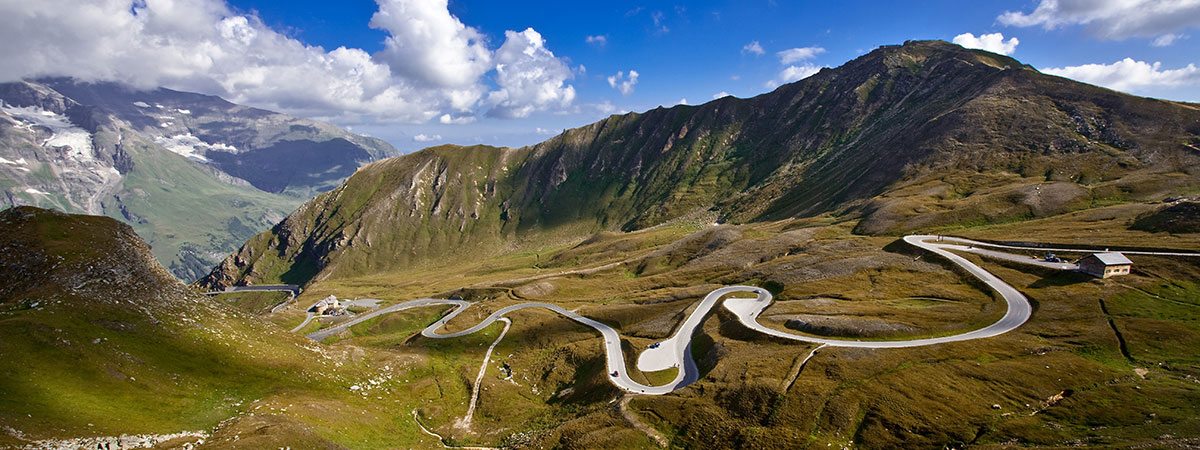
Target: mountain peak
{"x": 936, "y": 48}
{"x": 850, "y": 140}
{"x": 924, "y": 58}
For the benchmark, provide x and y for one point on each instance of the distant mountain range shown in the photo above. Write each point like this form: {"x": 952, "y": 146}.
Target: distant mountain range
{"x": 194, "y": 174}
{"x": 925, "y": 135}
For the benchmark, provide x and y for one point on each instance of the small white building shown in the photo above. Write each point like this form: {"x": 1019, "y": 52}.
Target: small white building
{"x": 1105, "y": 265}
{"x": 328, "y": 304}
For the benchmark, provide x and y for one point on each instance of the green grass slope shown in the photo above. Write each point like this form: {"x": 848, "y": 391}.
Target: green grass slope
{"x": 1101, "y": 362}
{"x": 186, "y": 213}
{"x": 99, "y": 348}
{"x": 100, "y": 340}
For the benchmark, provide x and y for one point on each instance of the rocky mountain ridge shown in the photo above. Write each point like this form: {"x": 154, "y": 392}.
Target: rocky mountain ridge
{"x": 911, "y": 137}
{"x": 194, "y": 174}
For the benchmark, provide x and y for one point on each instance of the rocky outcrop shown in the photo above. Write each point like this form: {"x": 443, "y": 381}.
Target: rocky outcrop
{"x": 186, "y": 440}
{"x": 1176, "y": 218}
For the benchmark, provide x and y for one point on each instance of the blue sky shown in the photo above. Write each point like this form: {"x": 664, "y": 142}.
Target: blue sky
{"x": 680, "y": 50}
{"x": 695, "y": 50}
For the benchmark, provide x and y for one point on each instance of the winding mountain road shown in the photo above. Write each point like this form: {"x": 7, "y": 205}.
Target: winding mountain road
{"x": 1061, "y": 250}
{"x": 1019, "y": 308}
{"x": 292, "y": 288}
{"x": 675, "y": 351}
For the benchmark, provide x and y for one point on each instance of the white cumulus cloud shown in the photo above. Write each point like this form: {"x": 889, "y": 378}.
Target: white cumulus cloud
{"x": 529, "y": 76}
{"x": 427, "y": 137}
{"x": 432, "y": 64}
{"x": 793, "y": 73}
{"x": 993, "y": 42}
{"x": 721, "y": 94}
{"x": 623, "y": 82}
{"x": 598, "y": 40}
{"x": 753, "y": 48}
{"x": 429, "y": 44}
{"x": 448, "y": 119}
{"x": 1111, "y": 19}
{"x": 1130, "y": 75}
{"x": 793, "y": 55}
{"x": 196, "y": 45}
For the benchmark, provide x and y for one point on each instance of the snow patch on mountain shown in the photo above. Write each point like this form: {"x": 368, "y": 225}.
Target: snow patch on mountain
{"x": 78, "y": 140}
{"x": 19, "y": 164}
{"x": 70, "y": 151}
{"x": 63, "y": 133}
{"x": 189, "y": 145}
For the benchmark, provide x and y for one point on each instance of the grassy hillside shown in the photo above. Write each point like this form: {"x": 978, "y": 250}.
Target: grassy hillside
{"x": 100, "y": 340}
{"x": 1090, "y": 345}
{"x": 187, "y": 214}
{"x": 923, "y": 136}
{"x": 253, "y": 302}
{"x": 168, "y": 361}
